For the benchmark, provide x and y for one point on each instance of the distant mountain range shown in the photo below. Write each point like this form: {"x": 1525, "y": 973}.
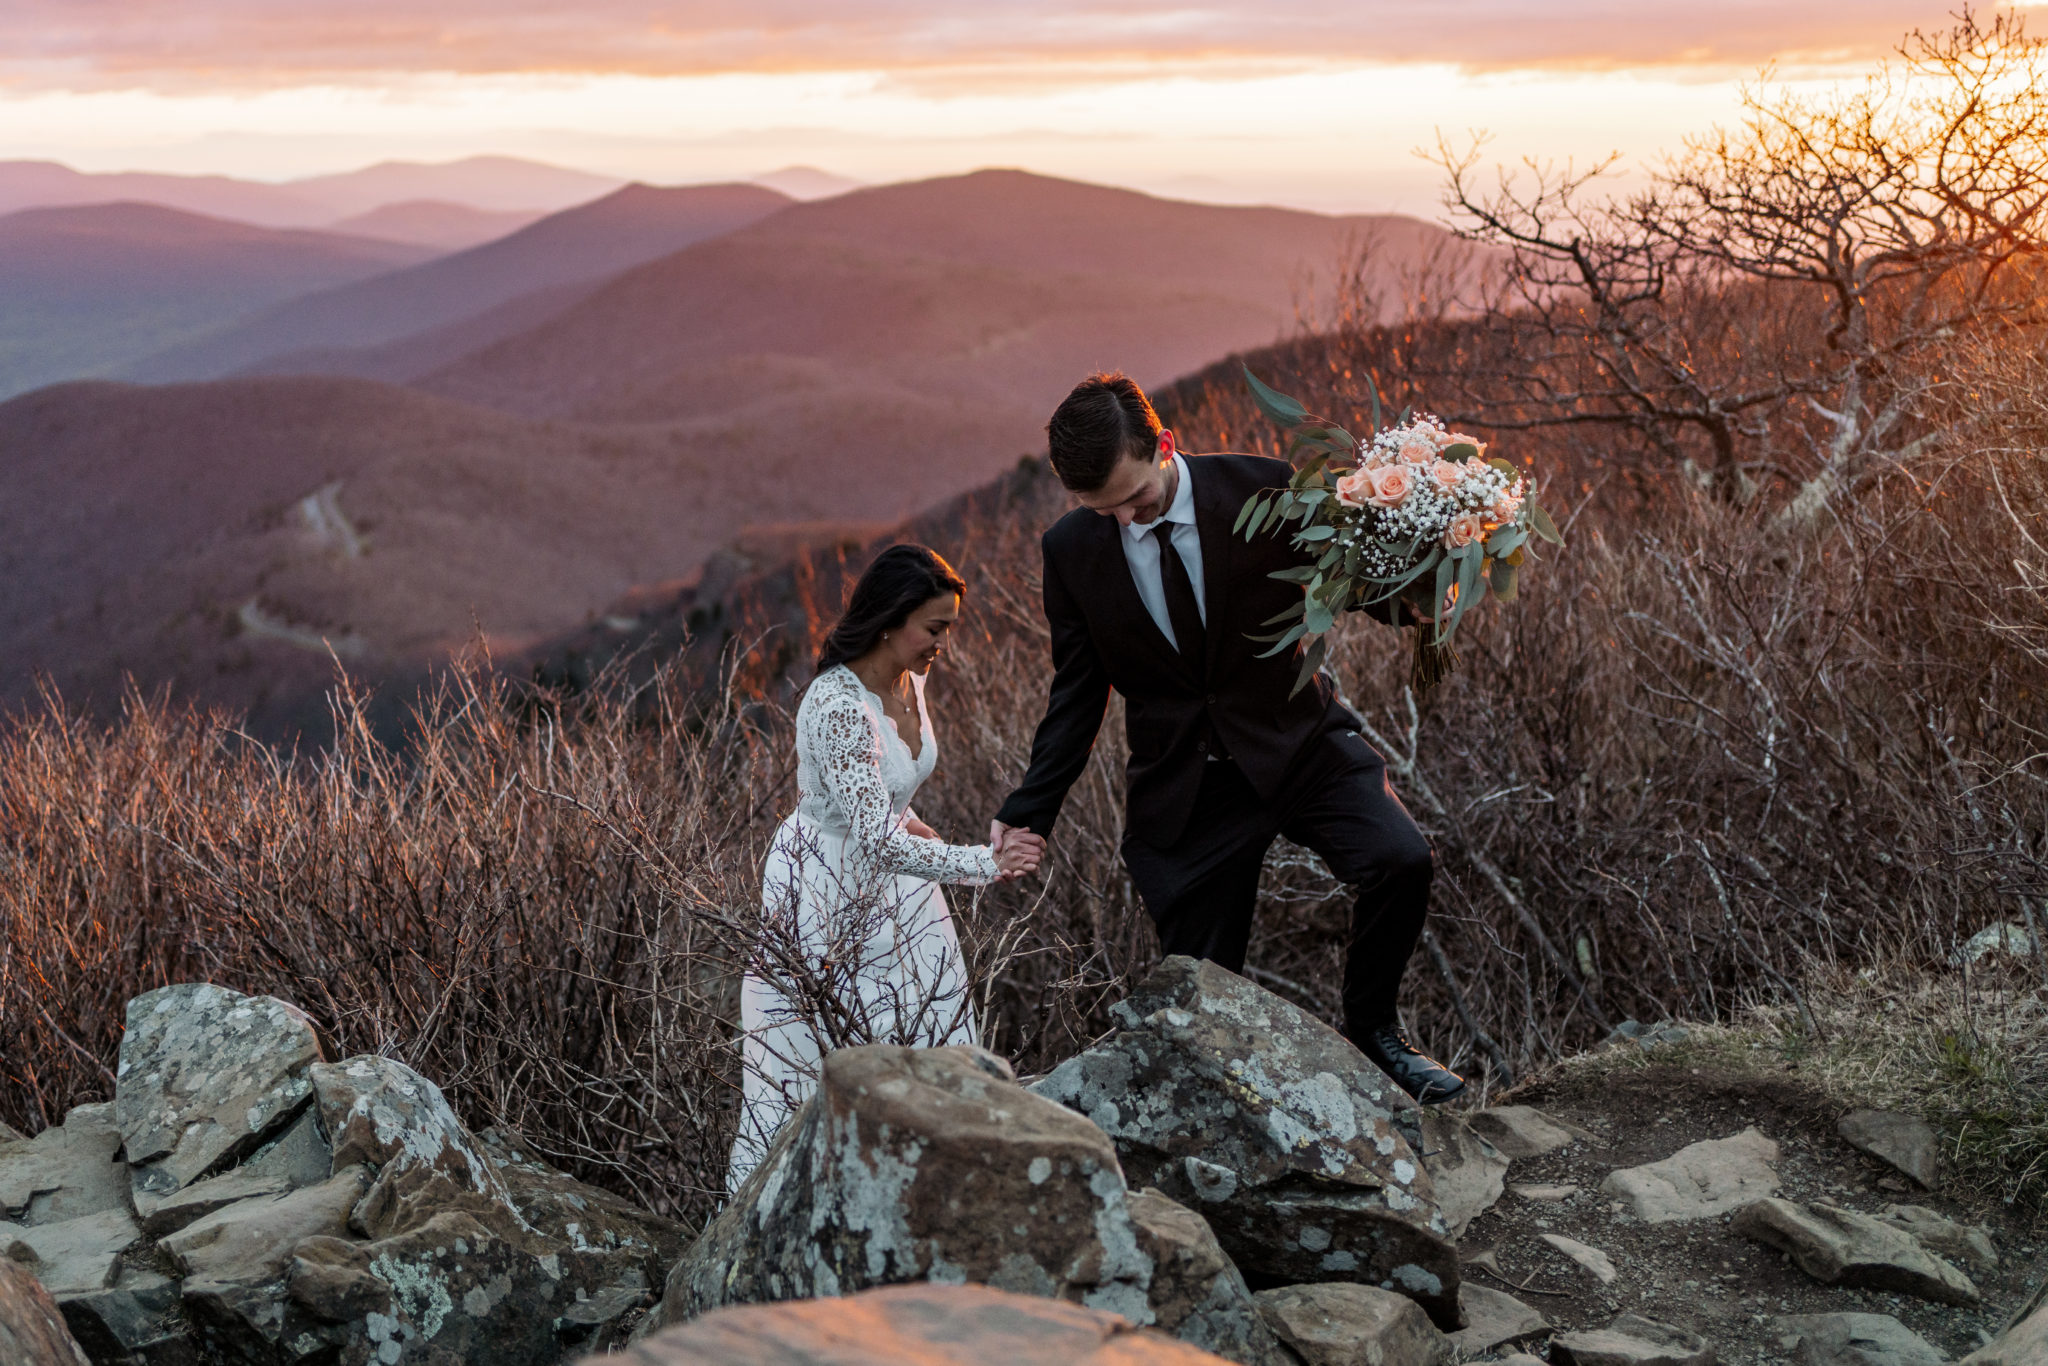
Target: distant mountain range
{"x": 86, "y": 290}
{"x": 850, "y": 359}
{"x": 550, "y": 258}
{"x": 437, "y": 223}
{"x": 492, "y": 183}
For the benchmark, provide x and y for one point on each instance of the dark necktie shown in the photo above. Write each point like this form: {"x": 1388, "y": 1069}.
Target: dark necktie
{"x": 1181, "y": 608}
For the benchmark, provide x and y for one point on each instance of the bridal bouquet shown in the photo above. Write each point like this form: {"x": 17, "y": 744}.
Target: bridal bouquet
{"x": 1414, "y": 513}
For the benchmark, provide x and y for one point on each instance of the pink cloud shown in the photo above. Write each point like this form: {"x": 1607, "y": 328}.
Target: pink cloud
{"x": 85, "y": 44}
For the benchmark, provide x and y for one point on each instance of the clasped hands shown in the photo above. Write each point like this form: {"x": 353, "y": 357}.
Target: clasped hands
{"x": 1017, "y": 852}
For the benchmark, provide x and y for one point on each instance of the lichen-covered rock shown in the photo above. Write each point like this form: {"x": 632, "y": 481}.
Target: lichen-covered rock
{"x": 1298, "y": 1151}
{"x": 922, "y": 1164}
{"x": 66, "y": 1171}
{"x": 1342, "y": 1324}
{"x": 32, "y": 1332}
{"x": 1197, "y": 1294}
{"x": 930, "y": 1325}
{"x": 381, "y": 1114}
{"x": 205, "y": 1076}
{"x": 1842, "y": 1247}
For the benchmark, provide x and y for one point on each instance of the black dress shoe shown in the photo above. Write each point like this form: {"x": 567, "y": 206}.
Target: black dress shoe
{"x": 1420, "y": 1075}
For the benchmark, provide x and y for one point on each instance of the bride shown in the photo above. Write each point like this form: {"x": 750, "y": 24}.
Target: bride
{"x": 855, "y": 943}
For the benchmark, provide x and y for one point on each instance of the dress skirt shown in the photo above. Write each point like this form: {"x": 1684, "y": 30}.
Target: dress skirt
{"x": 845, "y": 957}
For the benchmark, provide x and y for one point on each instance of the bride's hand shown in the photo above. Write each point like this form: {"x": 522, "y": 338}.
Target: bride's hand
{"x": 913, "y": 826}
{"x": 1020, "y": 855}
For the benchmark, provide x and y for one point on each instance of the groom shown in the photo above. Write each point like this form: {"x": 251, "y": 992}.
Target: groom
{"x": 1149, "y": 593}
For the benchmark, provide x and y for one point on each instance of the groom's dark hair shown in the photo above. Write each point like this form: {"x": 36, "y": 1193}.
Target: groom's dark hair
{"x": 1106, "y": 419}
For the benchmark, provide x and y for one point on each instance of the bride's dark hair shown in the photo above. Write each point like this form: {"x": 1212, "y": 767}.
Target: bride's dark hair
{"x": 902, "y": 579}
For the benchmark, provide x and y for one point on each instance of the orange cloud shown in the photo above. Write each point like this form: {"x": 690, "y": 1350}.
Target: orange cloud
{"x": 180, "y": 44}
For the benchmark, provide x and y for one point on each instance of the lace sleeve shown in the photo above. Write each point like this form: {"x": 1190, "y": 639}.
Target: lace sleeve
{"x": 849, "y": 765}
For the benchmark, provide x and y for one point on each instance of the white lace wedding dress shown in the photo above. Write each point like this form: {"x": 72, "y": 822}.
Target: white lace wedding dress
{"x": 857, "y": 944}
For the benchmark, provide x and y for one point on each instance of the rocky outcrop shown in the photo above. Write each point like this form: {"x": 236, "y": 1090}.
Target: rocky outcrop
{"x": 1700, "y": 1180}
{"x": 922, "y": 1164}
{"x": 930, "y": 1325}
{"x": 1968, "y": 1244}
{"x": 1300, "y": 1154}
{"x": 205, "y": 1075}
{"x": 286, "y": 1210}
{"x": 32, "y": 1332}
{"x": 1345, "y": 1324}
{"x": 1841, "y": 1247}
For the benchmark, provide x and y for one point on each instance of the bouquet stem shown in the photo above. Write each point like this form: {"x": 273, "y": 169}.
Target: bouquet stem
{"x": 1433, "y": 662}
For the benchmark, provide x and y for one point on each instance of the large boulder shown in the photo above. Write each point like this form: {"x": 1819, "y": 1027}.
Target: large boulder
{"x": 32, "y": 1332}
{"x": 1299, "y": 1152}
{"x": 1905, "y": 1142}
{"x": 77, "y": 1255}
{"x": 205, "y": 1076}
{"x": 930, "y": 1325}
{"x": 922, "y": 1164}
{"x": 1465, "y": 1169}
{"x": 382, "y": 1115}
{"x": 426, "y": 1244}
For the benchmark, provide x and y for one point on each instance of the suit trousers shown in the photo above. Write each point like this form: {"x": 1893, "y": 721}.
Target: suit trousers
{"x": 1201, "y": 891}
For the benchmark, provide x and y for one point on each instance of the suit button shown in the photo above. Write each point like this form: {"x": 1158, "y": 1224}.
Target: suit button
{"x": 1202, "y": 746}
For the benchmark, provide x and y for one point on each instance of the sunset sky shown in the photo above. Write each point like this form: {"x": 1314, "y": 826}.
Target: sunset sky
{"x": 1313, "y": 104}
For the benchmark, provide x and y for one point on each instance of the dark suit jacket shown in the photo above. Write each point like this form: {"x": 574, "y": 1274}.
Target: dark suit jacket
{"x": 1103, "y": 638}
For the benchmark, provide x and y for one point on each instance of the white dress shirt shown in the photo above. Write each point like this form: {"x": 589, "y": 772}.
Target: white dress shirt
{"x": 1141, "y": 551}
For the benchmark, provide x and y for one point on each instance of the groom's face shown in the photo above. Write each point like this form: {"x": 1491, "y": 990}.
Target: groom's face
{"x": 1138, "y": 489}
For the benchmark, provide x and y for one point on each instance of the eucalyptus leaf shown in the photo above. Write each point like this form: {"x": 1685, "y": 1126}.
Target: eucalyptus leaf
{"x": 1312, "y": 659}
{"x": 1502, "y": 575}
{"x": 1293, "y": 634}
{"x": 1539, "y": 521}
{"x": 1289, "y": 613}
{"x": 1296, "y": 573}
{"x": 1244, "y": 514}
{"x": 1320, "y": 532}
{"x": 1446, "y": 574}
{"x": 1319, "y": 617}
{"x": 1468, "y": 591}
{"x": 1275, "y": 405}
{"x": 1462, "y": 450}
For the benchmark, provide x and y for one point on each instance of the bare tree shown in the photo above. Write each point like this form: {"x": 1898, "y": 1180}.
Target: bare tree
{"x": 1775, "y": 304}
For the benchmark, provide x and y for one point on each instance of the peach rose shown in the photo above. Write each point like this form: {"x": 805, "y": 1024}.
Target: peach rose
{"x": 1505, "y": 507}
{"x": 1418, "y": 450}
{"x": 1355, "y": 489}
{"x": 1460, "y": 438}
{"x": 1464, "y": 529}
{"x": 1391, "y": 484}
{"x": 1449, "y": 474}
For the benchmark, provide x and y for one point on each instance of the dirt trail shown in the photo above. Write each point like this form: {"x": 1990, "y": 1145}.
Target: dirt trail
{"x": 1702, "y": 1275}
